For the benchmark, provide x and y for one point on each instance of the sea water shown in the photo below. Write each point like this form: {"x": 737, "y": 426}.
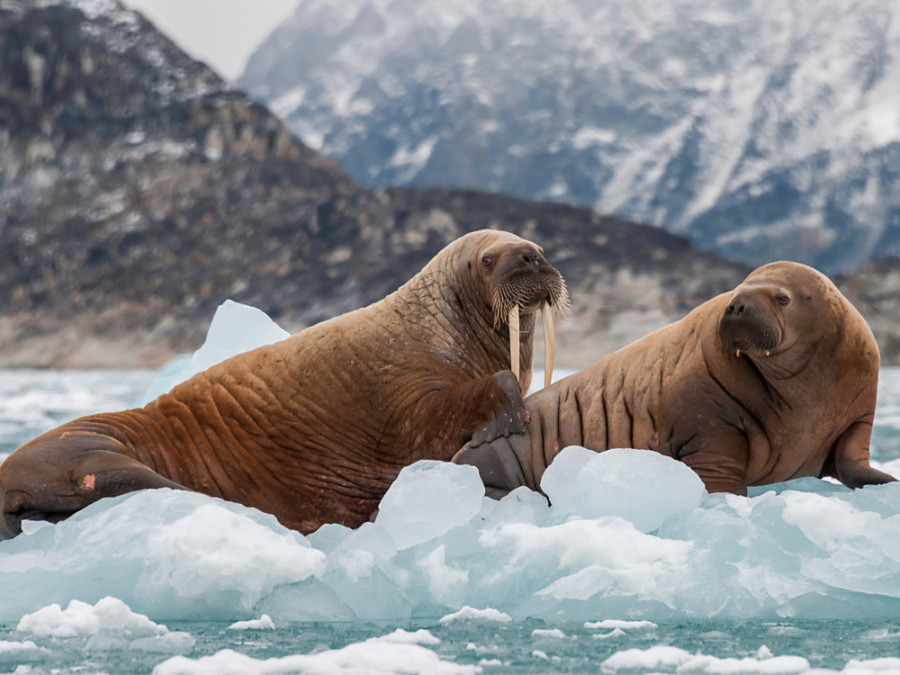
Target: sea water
{"x": 648, "y": 575}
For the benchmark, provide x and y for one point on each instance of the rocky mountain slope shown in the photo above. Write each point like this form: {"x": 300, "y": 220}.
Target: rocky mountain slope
{"x": 138, "y": 191}
{"x": 758, "y": 130}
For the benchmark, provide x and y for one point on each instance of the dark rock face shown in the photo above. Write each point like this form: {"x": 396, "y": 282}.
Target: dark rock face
{"x": 138, "y": 192}
{"x": 135, "y": 184}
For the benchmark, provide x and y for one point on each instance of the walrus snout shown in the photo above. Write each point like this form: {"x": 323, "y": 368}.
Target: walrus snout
{"x": 523, "y": 283}
{"x": 748, "y": 324}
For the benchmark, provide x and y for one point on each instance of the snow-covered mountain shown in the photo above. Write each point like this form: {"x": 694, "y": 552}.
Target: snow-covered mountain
{"x": 761, "y": 130}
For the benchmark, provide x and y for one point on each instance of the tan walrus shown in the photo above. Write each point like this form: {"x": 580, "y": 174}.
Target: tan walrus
{"x": 314, "y": 428}
{"x": 773, "y": 381}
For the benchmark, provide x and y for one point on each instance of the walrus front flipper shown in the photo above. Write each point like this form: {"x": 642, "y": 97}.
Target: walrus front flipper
{"x": 54, "y": 476}
{"x": 509, "y": 416}
{"x": 497, "y": 464}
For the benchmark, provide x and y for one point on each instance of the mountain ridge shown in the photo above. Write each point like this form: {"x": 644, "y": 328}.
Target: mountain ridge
{"x": 138, "y": 191}
{"x": 757, "y": 131}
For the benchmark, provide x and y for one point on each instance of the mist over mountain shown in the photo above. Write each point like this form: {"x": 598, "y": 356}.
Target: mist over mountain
{"x": 760, "y": 131}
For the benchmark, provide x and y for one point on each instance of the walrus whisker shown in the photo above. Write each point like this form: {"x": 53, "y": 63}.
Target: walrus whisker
{"x": 549, "y": 343}
{"x": 514, "y": 340}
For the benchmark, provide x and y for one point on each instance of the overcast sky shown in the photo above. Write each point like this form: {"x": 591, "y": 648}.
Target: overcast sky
{"x": 223, "y": 33}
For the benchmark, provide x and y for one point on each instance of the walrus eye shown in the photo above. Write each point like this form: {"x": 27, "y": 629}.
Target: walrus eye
{"x": 487, "y": 261}
{"x": 783, "y": 300}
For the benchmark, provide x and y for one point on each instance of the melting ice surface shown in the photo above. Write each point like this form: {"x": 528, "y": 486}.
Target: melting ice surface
{"x": 634, "y": 568}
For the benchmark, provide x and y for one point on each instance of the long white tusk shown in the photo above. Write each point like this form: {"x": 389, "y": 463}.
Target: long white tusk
{"x": 514, "y": 340}
{"x": 549, "y": 343}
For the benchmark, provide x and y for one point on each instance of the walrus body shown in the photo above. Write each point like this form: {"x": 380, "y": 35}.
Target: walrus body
{"x": 314, "y": 428}
{"x": 773, "y": 381}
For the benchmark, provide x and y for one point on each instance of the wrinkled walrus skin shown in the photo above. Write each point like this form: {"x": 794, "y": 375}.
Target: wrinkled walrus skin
{"x": 314, "y": 428}
{"x": 773, "y": 381}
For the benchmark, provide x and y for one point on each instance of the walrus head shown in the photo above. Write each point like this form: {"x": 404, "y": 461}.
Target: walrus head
{"x": 779, "y": 307}
{"x": 521, "y": 282}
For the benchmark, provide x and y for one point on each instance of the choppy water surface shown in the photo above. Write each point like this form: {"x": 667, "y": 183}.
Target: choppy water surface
{"x": 801, "y": 577}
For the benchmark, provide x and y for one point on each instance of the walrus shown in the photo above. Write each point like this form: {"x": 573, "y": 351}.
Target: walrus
{"x": 313, "y": 429}
{"x": 772, "y": 381}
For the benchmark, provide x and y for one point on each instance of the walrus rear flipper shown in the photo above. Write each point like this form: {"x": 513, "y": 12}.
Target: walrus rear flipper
{"x": 52, "y": 478}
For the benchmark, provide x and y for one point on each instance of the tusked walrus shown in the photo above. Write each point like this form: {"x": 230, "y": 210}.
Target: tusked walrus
{"x": 314, "y": 428}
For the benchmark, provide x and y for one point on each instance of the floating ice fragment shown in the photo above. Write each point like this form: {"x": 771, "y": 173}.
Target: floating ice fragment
{"x": 428, "y": 499}
{"x": 262, "y": 623}
{"x": 554, "y": 633}
{"x": 16, "y": 649}
{"x": 888, "y": 664}
{"x": 640, "y": 486}
{"x": 388, "y": 654}
{"x": 417, "y": 637}
{"x": 235, "y": 328}
{"x": 538, "y": 654}
{"x": 471, "y": 614}
{"x": 614, "y": 633}
{"x": 654, "y": 658}
{"x": 82, "y": 619}
{"x": 675, "y": 659}
{"x": 725, "y": 666}
{"x": 620, "y": 624}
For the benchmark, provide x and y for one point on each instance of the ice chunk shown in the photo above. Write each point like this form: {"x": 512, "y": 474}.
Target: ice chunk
{"x": 552, "y": 633}
{"x": 574, "y": 568}
{"x": 471, "y": 614}
{"x": 654, "y": 658}
{"x": 642, "y": 486}
{"x": 109, "y": 625}
{"x": 672, "y": 658}
{"x": 614, "y": 633}
{"x": 519, "y": 506}
{"x": 394, "y": 653}
{"x": 235, "y": 328}
{"x": 428, "y": 499}
{"x": 80, "y": 619}
{"x": 606, "y": 624}
{"x": 262, "y": 623}
{"x": 416, "y": 637}
{"x": 888, "y": 664}
{"x": 14, "y": 649}
{"x": 723, "y": 666}
{"x": 167, "y": 553}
